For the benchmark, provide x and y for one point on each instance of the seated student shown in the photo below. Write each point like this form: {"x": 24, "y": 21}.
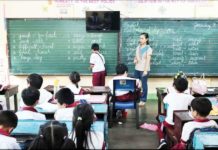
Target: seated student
{"x": 8, "y": 121}
{"x": 172, "y": 88}
{"x": 176, "y": 101}
{"x": 74, "y": 87}
{"x": 35, "y": 80}
{"x": 122, "y": 72}
{"x": 84, "y": 137}
{"x": 66, "y": 104}
{"x": 30, "y": 98}
{"x": 52, "y": 135}
{"x": 200, "y": 109}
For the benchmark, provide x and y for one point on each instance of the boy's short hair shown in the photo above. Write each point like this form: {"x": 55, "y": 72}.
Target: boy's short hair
{"x": 121, "y": 69}
{"x": 8, "y": 119}
{"x": 181, "y": 84}
{"x": 30, "y": 95}
{"x": 202, "y": 106}
{"x": 65, "y": 95}
{"x": 95, "y": 47}
{"x": 35, "y": 80}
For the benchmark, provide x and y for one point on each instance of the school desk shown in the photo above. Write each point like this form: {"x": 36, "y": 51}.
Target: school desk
{"x": 202, "y": 140}
{"x": 162, "y": 92}
{"x": 90, "y": 89}
{"x": 11, "y": 90}
{"x": 181, "y": 117}
{"x": 27, "y": 130}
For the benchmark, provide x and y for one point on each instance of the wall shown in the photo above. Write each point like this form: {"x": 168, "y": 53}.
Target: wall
{"x": 129, "y": 9}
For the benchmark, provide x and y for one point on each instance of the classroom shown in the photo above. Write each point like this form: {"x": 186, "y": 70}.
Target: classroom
{"x": 108, "y": 74}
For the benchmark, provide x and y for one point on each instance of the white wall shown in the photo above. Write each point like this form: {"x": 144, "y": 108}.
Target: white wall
{"x": 128, "y": 8}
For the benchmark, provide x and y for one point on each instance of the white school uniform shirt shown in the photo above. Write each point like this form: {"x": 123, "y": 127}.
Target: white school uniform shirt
{"x": 74, "y": 89}
{"x": 176, "y": 101}
{"x": 44, "y": 97}
{"x": 7, "y": 142}
{"x": 64, "y": 114}
{"x": 97, "y": 61}
{"x": 96, "y": 141}
{"x": 111, "y": 84}
{"x": 142, "y": 58}
{"x": 26, "y": 114}
{"x": 190, "y": 126}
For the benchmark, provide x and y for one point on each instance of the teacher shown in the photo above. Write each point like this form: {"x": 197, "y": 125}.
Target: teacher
{"x": 142, "y": 64}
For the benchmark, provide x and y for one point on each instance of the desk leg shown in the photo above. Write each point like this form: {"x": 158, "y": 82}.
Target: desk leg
{"x": 15, "y": 102}
{"x": 7, "y": 101}
{"x": 159, "y": 104}
{"x": 106, "y": 130}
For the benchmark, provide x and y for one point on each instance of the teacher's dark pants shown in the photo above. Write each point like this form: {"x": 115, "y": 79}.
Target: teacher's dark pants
{"x": 98, "y": 78}
{"x": 144, "y": 80}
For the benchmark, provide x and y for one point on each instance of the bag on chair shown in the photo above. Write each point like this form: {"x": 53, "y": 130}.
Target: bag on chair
{"x": 199, "y": 85}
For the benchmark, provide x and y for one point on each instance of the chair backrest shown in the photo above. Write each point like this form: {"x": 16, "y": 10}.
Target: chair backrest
{"x": 127, "y": 86}
{"x": 202, "y": 130}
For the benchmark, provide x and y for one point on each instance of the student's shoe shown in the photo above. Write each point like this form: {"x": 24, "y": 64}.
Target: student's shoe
{"x": 163, "y": 145}
{"x": 141, "y": 104}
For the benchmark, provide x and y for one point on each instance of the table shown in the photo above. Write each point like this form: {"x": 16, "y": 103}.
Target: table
{"x": 90, "y": 89}
{"x": 12, "y": 90}
{"x": 162, "y": 92}
{"x": 181, "y": 117}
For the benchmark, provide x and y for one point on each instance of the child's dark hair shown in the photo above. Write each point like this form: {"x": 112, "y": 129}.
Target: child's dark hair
{"x": 65, "y": 95}
{"x": 35, "y": 80}
{"x": 8, "y": 119}
{"x": 146, "y": 36}
{"x": 30, "y": 95}
{"x": 180, "y": 74}
{"x": 202, "y": 106}
{"x": 95, "y": 47}
{"x": 82, "y": 120}
{"x": 181, "y": 84}
{"x": 52, "y": 135}
{"x": 121, "y": 69}
{"x": 74, "y": 78}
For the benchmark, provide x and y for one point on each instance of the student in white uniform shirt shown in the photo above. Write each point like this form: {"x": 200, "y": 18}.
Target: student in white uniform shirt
{"x": 200, "y": 109}
{"x": 8, "y": 121}
{"x": 83, "y": 136}
{"x": 122, "y": 73}
{"x": 35, "y": 80}
{"x": 30, "y": 98}
{"x": 74, "y": 87}
{"x": 97, "y": 64}
{"x": 66, "y": 104}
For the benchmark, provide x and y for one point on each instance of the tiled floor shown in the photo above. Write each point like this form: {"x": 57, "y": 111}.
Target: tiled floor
{"x": 126, "y": 136}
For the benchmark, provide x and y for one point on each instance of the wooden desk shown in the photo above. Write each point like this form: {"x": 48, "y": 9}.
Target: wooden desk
{"x": 162, "y": 92}
{"x": 181, "y": 117}
{"x": 90, "y": 89}
{"x": 12, "y": 90}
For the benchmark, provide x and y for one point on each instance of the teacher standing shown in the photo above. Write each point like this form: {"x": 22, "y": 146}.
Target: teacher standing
{"x": 142, "y": 63}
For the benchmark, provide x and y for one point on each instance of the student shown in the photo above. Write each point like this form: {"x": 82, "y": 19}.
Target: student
{"x": 97, "y": 64}
{"x": 74, "y": 87}
{"x": 8, "y": 121}
{"x": 122, "y": 72}
{"x": 65, "y": 99}
{"x": 30, "y": 98}
{"x": 172, "y": 88}
{"x": 35, "y": 80}
{"x": 83, "y": 136}
{"x": 200, "y": 109}
{"x": 52, "y": 135}
{"x": 176, "y": 101}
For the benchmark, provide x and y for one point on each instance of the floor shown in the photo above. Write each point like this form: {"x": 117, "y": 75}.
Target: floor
{"x": 126, "y": 136}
